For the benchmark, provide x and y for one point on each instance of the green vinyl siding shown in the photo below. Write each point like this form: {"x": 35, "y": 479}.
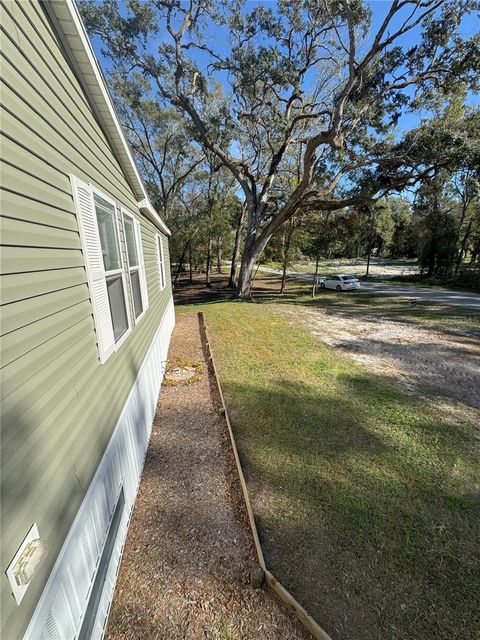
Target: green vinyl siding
{"x": 59, "y": 405}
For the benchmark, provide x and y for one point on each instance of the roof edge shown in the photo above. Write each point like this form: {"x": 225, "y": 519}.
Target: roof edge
{"x": 71, "y": 29}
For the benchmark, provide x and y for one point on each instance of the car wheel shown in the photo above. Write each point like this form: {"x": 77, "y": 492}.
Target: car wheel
{"x": 322, "y": 285}
{"x": 339, "y": 288}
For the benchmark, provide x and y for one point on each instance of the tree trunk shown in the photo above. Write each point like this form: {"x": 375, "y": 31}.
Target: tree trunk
{"x": 286, "y": 249}
{"x": 190, "y": 263}
{"x": 208, "y": 270}
{"x": 463, "y": 247}
{"x": 232, "y": 283}
{"x": 253, "y": 248}
{"x": 371, "y": 240}
{"x": 314, "y": 287}
{"x": 368, "y": 259}
{"x": 180, "y": 264}
{"x": 219, "y": 255}
{"x": 251, "y": 253}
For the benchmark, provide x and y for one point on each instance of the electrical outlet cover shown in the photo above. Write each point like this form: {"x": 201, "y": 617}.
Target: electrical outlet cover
{"x": 18, "y": 590}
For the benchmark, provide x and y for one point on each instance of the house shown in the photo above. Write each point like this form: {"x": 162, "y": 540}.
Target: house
{"x": 86, "y": 319}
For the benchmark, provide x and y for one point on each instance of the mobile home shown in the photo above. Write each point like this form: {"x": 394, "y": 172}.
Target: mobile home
{"x": 86, "y": 318}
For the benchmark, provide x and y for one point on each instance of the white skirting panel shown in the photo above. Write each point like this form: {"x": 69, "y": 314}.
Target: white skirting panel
{"x": 61, "y": 609}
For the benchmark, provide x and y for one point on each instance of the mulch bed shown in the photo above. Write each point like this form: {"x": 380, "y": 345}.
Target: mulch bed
{"x": 188, "y": 555}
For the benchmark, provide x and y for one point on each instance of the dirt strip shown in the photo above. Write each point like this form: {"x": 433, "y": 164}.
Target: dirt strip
{"x": 187, "y": 560}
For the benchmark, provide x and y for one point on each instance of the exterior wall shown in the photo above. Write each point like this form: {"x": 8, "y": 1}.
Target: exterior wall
{"x": 61, "y": 610}
{"x": 59, "y": 405}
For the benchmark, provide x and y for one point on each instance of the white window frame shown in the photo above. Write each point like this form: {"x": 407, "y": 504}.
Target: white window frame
{"x": 139, "y": 267}
{"x": 114, "y": 272}
{"x": 161, "y": 262}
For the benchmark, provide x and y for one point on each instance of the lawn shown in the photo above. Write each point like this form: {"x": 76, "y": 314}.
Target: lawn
{"x": 436, "y": 316}
{"x": 367, "y": 500}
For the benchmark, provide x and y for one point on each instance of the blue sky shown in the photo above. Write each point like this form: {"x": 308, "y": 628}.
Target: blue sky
{"x": 218, "y": 36}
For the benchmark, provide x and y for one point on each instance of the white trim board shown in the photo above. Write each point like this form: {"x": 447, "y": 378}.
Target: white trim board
{"x": 60, "y": 610}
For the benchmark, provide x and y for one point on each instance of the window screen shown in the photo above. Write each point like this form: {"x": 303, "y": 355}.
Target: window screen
{"x": 161, "y": 263}
{"x": 136, "y": 292}
{"x": 131, "y": 242}
{"x": 135, "y": 263}
{"x": 107, "y": 230}
{"x": 118, "y": 309}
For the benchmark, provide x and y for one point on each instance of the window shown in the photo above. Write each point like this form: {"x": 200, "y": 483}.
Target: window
{"x": 98, "y": 226}
{"x": 108, "y": 232}
{"x": 136, "y": 267}
{"x": 161, "y": 262}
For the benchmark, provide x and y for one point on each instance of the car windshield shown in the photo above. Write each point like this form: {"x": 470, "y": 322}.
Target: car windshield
{"x": 347, "y": 278}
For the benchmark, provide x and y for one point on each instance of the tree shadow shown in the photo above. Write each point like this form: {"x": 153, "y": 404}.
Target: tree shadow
{"x": 358, "y": 518}
{"x": 264, "y": 288}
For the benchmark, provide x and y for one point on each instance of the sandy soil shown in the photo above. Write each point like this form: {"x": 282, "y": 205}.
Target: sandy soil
{"x": 187, "y": 559}
{"x": 378, "y": 267}
{"x": 432, "y": 364}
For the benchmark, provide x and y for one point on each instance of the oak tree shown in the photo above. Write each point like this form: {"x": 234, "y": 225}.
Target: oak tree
{"x": 306, "y": 76}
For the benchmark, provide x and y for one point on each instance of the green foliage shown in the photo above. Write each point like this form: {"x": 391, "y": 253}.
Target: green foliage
{"x": 404, "y": 241}
{"x": 306, "y": 79}
{"x": 436, "y": 230}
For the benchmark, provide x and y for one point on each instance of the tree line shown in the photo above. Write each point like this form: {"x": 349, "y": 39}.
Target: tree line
{"x": 252, "y": 123}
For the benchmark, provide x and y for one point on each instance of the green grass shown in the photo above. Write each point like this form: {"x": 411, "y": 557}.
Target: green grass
{"x": 454, "y": 284}
{"x": 367, "y": 499}
{"x": 376, "y": 307}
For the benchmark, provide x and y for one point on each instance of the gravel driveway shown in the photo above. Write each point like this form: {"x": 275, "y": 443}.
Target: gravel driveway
{"x": 437, "y": 296}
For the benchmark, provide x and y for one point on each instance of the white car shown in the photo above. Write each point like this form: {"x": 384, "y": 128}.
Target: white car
{"x": 340, "y": 282}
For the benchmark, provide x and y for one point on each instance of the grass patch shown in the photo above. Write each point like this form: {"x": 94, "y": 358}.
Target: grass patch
{"x": 376, "y": 306}
{"x": 367, "y": 500}
{"x": 470, "y": 282}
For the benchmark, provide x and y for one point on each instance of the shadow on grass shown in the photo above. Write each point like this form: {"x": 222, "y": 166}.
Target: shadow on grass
{"x": 377, "y": 308}
{"x": 362, "y": 506}
{"x": 373, "y": 307}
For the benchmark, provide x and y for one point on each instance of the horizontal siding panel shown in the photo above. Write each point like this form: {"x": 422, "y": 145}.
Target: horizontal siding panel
{"x": 28, "y": 234}
{"x": 33, "y": 164}
{"x": 53, "y": 451}
{"x": 23, "y": 286}
{"x": 51, "y": 83}
{"x": 35, "y": 139}
{"x": 19, "y": 371}
{"x": 82, "y": 411}
{"x": 31, "y": 107}
{"x": 25, "y": 259}
{"x": 16, "y": 180}
{"x": 21, "y": 207}
{"x": 30, "y": 310}
{"x": 37, "y": 26}
{"x": 20, "y": 342}
{"x": 23, "y": 426}
{"x": 59, "y": 405}
{"x": 58, "y": 84}
{"x": 38, "y": 388}
{"x": 43, "y": 394}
